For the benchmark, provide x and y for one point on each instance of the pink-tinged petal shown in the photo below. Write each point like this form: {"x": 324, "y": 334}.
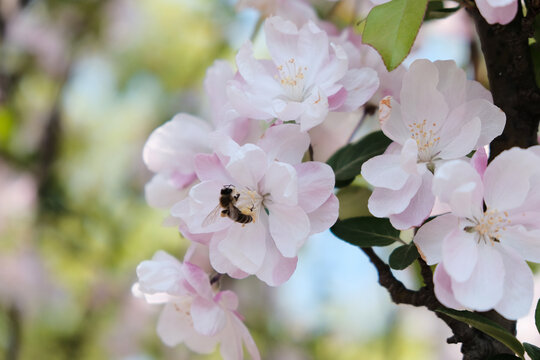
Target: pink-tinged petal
{"x": 289, "y": 226}
{"x": 457, "y": 184}
{"x": 336, "y": 101}
{"x": 409, "y": 156}
{"x": 484, "y": 289}
{"x": 460, "y": 253}
{"x": 172, "y": 145}
{"x": 198, "y": 280}
{"x": 313, "y": 51}
{"x": 285, "y": 143}
{"x": 276, "y": 268}
{"x": 316, "y": 109}
{"x": 327, "y": 76}
{"x": 255, "y": 73}
{"x": 452, "y": 82}
{"x": 232, "y": 338}
{"x": 479, "y": 161}
{"x": 463, "y": 142}
{"x": 248, "y": 165}
{"x": 244, "y": 246}
{"x": 281, "y": 182}
{"x": 475, "y": 90}
{"x": 443, "y": 288}
{"x": 325, "y": 216}
{"x": 419, "y": 207}
{"x": 497, "y": 15}
{"x": 202, "y": 239}
{"x": 420, "y": 99}
{"x": 161, "y": 274}
{"x": 518, "y": 287}
{"x": 248, "y": 104}
{"x": 209, "y": 168}
{"x": 219, "y": 262}
{"x": 227, "y": 299}
{"x": 391, "y": 120}
{"x": 361, "y": 84}
{"x": 287, "y": 110}
{"x": 384, "y": 202}
{"x": 315, "y": 184}
{"x": 385, "y": 171}
{"x": 281, "y": 39}
{"x": 507, "y": 179}
{"x": 208, "y": 317}
{"x": 174, "y": 326}
{"x": 160, "y": 193}
{"x": 525, "y": 242}
{"x": 429, "y": 238}
{"x": 197, "y": 254}
{"x": 215, "y": 84}
{"x": 332, "y": 134}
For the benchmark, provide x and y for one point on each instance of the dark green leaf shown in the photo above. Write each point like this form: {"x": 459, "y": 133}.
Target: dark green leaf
{"x": 532, "y": 350}
{"x": 403, "y": 256}
{"x": 348, "y": 160}
{"x": 366, "y": 231}
{"x": 537, "y": 316}
{"x": 436, "y": 10}
{"x": 487, "y": 326}
{"x": 392, "y": 27}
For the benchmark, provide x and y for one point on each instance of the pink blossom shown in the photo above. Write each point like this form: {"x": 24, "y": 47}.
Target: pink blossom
{"x": 286, "y": 199}
{"x": 306, "y": 77}
{"x": 482, "y": 245}
{"x": 441, "y": 116}
{"x": 171, "y": 148}
{"x": 195, "y": 314}
{"x": 297, "y": 11}
{"x": 498, "y": 11}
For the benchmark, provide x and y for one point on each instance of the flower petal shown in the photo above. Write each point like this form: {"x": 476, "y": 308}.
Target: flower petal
{"x": 281, "y": 182}
{"x": 276, "y": 268}
{"x": 384, "y": 202}
{"x": 484, "y": 289}
{"x": 460, "y": 253}
{"x": 315, "y": 184}
{"x": 429, "y": 238}
{"x": 208, "y": 317}
{"x": 244, "y": 246}
{"x": 289, "y": 227}
{"x": 443, "y": 288}
{"x": 497, "y": 15}
{"x": 525, "y": 242}
{"x": 518, "y": 287}
{"x": 325, "y": 216}
{"x": 385, "y": 171}
{"x": 391, "y": 120}
{"x": 285, "y": 143}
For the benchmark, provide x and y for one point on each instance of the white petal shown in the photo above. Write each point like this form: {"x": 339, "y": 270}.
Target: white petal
{"x": 385, "y": 171}
{"x": 248, "y": 165}
{"x": 315, "y": 184}
{"x": 484, "y": 289}
{"x": 430, "y": 236}
{"x": 507, "y": 179}
{"x": 452, "y": 82}
{"x": 276, "y": 268}
{"x": 460, "y": 253}
{"x": 289, "y": 226}
{"x": 524, "y": 242}
{"x": 325, "y": 216}
{"x": 443, "y": 288}
{"x": 245, "y": 246}
{"x": 281, "y": 182}
{"x": 208, "y": 317}
{"x": 285, "y": 143}
{"x": 463, "y": 142}
{"x": 518, "y": 287}
{"x": 160, "y": 193}
{"x": 384, "y": 202}
{"x": 391, "y": 120}
{"x": 419, "y": 207}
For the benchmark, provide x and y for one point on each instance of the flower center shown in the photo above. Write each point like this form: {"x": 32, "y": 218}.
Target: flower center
{"x": 291, "y": 78}
{"x": 489, "y": 226}
{"x": 425, "y": 140}
{"x": 183, "y": 306}
{"x": 249, "y": 202}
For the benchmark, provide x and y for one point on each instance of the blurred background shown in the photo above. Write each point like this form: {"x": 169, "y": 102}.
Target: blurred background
{"x": 82, "y": 85}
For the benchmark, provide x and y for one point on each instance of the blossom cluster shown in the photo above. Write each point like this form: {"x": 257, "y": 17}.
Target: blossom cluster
{"x": 245, "y": 190}
{"x": 239, "y": 187}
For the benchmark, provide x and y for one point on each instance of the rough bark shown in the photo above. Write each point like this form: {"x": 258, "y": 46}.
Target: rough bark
{"x": 511, "y": 78}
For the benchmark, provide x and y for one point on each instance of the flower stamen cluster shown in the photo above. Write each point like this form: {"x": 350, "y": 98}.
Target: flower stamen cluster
{"x": 489, "y": 226}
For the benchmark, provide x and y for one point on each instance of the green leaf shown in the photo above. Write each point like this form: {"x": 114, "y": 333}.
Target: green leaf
{"x": 436, "y": 10}
{"x": 366, "y": 231}
{"x": 532, "y": 350}
{"x": 537, "y": 316}
{"x": 348, "y": 160}
{"x": 403, "y": 256}
{"x": 488, "y": 327}
{"x": 353, "y": 202}
{"x": 392, "y": 27}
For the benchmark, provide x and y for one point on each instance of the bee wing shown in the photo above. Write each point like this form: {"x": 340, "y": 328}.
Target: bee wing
{"x": 212, "y": 217}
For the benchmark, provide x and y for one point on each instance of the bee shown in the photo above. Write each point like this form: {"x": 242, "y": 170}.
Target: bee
{"x": 228, "y": 200}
